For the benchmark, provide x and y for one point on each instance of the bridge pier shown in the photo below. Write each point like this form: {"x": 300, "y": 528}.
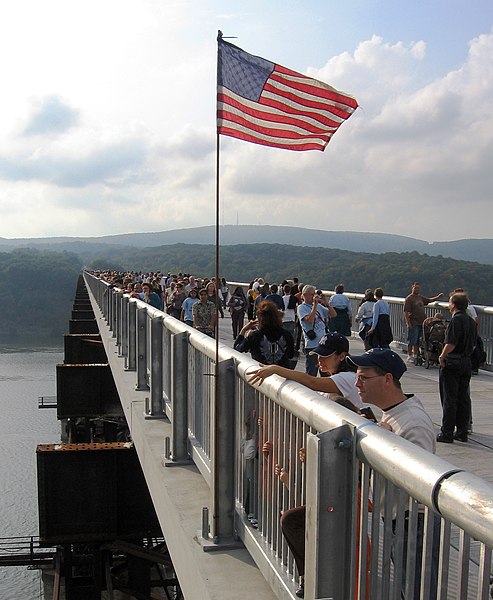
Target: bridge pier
{"x": 93, "y": 494}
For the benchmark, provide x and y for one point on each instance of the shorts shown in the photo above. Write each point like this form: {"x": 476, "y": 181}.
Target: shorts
{"x": 414, "y": 335}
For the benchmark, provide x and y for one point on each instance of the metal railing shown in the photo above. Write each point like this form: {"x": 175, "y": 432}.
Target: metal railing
{"x": 47, "y": 402}
{"x": 27, "y": 550}
{"x": 379, "y": 510}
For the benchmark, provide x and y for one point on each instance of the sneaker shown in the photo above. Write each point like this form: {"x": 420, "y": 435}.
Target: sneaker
{"x": 410, "y": 359}
{"x": 300, "y": 592}
{"x": 253, "y": 521}
{"x": 444, "y": 439}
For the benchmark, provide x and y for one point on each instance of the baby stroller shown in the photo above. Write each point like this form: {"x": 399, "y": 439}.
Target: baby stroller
{"x": 432, "y": 341}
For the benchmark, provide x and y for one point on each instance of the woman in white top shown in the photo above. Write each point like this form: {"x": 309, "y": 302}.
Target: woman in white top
{"x": 332, "y": 351}
{"x": 365, "y": 316}
{"x": 290, "y": 305}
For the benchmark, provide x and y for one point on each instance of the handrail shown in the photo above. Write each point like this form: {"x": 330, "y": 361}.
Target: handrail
{"x": 408, "y": 466}
{"x": 25, "y": 550}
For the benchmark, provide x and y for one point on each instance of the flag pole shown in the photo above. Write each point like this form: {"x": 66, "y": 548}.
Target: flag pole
{"x": 219, "y": 37}
{"x": 217, "y": 246}
{"x": 215, "y": 481}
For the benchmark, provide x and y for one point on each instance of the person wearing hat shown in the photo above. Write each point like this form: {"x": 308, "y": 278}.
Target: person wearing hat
{"x": 331, "y": 351}
{"x": 378, "y": 381}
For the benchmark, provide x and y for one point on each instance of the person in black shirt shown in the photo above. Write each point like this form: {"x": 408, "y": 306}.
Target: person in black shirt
{"x": 265, "y": 338}
{"x": 455, "y": 371}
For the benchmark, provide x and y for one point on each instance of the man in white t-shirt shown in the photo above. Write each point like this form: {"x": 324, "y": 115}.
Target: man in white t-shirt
{"x": 378, "y": 381}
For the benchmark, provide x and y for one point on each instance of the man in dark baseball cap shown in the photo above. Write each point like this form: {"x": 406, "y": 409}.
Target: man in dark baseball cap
{"x": 383, "y": 358}
{"x": 378, "y": 381}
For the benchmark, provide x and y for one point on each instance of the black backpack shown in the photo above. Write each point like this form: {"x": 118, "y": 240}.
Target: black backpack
{"x": 273, "y": 352}
{"x": 478, "y": 356}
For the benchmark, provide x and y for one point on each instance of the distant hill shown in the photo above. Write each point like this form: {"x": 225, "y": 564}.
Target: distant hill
{"x": 37, "y": 285}
{"x": 322, "y": 267}
{"x": 480, "y": 250}
{"x": 36, "y": 292}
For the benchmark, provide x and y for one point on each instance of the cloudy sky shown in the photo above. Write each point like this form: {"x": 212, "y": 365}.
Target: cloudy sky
{"x": 108, "y": 117}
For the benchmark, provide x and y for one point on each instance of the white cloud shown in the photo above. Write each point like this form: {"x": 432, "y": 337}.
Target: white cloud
{"x": 120, "y": 136}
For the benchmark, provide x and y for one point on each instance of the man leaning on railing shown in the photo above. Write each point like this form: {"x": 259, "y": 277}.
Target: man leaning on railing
{"x": 377, "y": 379}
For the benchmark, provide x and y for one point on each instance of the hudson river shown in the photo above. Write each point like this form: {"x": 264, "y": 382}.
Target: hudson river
{"x": 24, "y": 375}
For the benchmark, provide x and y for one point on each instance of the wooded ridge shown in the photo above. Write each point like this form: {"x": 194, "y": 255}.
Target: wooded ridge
{"x": 37, "y": 287}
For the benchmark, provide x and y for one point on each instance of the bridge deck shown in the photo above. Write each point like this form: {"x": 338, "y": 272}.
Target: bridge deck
{"x": 179, "y": 493}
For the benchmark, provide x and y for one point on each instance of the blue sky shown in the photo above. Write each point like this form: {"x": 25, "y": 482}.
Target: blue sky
{"x": 108, "y": 117}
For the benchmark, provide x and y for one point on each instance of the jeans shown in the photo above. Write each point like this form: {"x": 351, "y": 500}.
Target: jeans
{"x": 311, "y": 364}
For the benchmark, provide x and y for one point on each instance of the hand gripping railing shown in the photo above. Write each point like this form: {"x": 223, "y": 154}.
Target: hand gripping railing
{"x": 382, "y": 515}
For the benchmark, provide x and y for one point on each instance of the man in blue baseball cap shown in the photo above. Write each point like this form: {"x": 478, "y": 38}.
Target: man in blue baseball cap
{"x": 378, "y": 377}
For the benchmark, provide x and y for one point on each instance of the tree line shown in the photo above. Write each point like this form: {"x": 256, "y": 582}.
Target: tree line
{"x": 37, "y": 290}
{"x": 37, "y": 287}
{"x": 322, "y": 267}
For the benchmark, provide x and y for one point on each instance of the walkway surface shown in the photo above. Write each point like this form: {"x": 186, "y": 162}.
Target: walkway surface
{"x": 475, "y": 456}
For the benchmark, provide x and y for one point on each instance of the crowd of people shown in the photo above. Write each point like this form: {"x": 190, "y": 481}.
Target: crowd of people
{"x": 285, "y": 319}
{"x": 183, "y": 296}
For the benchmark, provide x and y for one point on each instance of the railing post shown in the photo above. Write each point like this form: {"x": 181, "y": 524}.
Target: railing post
{"x": 223, "y": 419}
{"x": 107, "y": 306}
{"x": 141, "y": 349}
{"x": 106, "y": 291}
{"x": 222, "y": 527}
{"x": 179, "y": 399}
{"x": 114, "y": 321}
{"x": 118, "y": 324}
{"x": 130, "y": 359}
{"x": 156, "y": 408}
{"x": 329, "y": 485}
{"x": 124, "y": 326}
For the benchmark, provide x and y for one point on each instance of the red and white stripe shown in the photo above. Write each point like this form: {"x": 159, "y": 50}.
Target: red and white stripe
{"x": 293, "y": 112}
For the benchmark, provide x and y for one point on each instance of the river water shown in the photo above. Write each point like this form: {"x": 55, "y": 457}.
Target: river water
{"x": 24, "y": 375}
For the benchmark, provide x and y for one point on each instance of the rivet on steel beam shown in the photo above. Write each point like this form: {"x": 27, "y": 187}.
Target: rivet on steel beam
{"x": 345, "y": 444}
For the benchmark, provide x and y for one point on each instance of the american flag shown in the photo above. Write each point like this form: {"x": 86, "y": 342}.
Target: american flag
{"x": 264, "y": 103}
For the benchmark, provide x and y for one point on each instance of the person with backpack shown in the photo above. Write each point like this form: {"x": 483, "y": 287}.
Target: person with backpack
{"x": 266, "y": 339}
